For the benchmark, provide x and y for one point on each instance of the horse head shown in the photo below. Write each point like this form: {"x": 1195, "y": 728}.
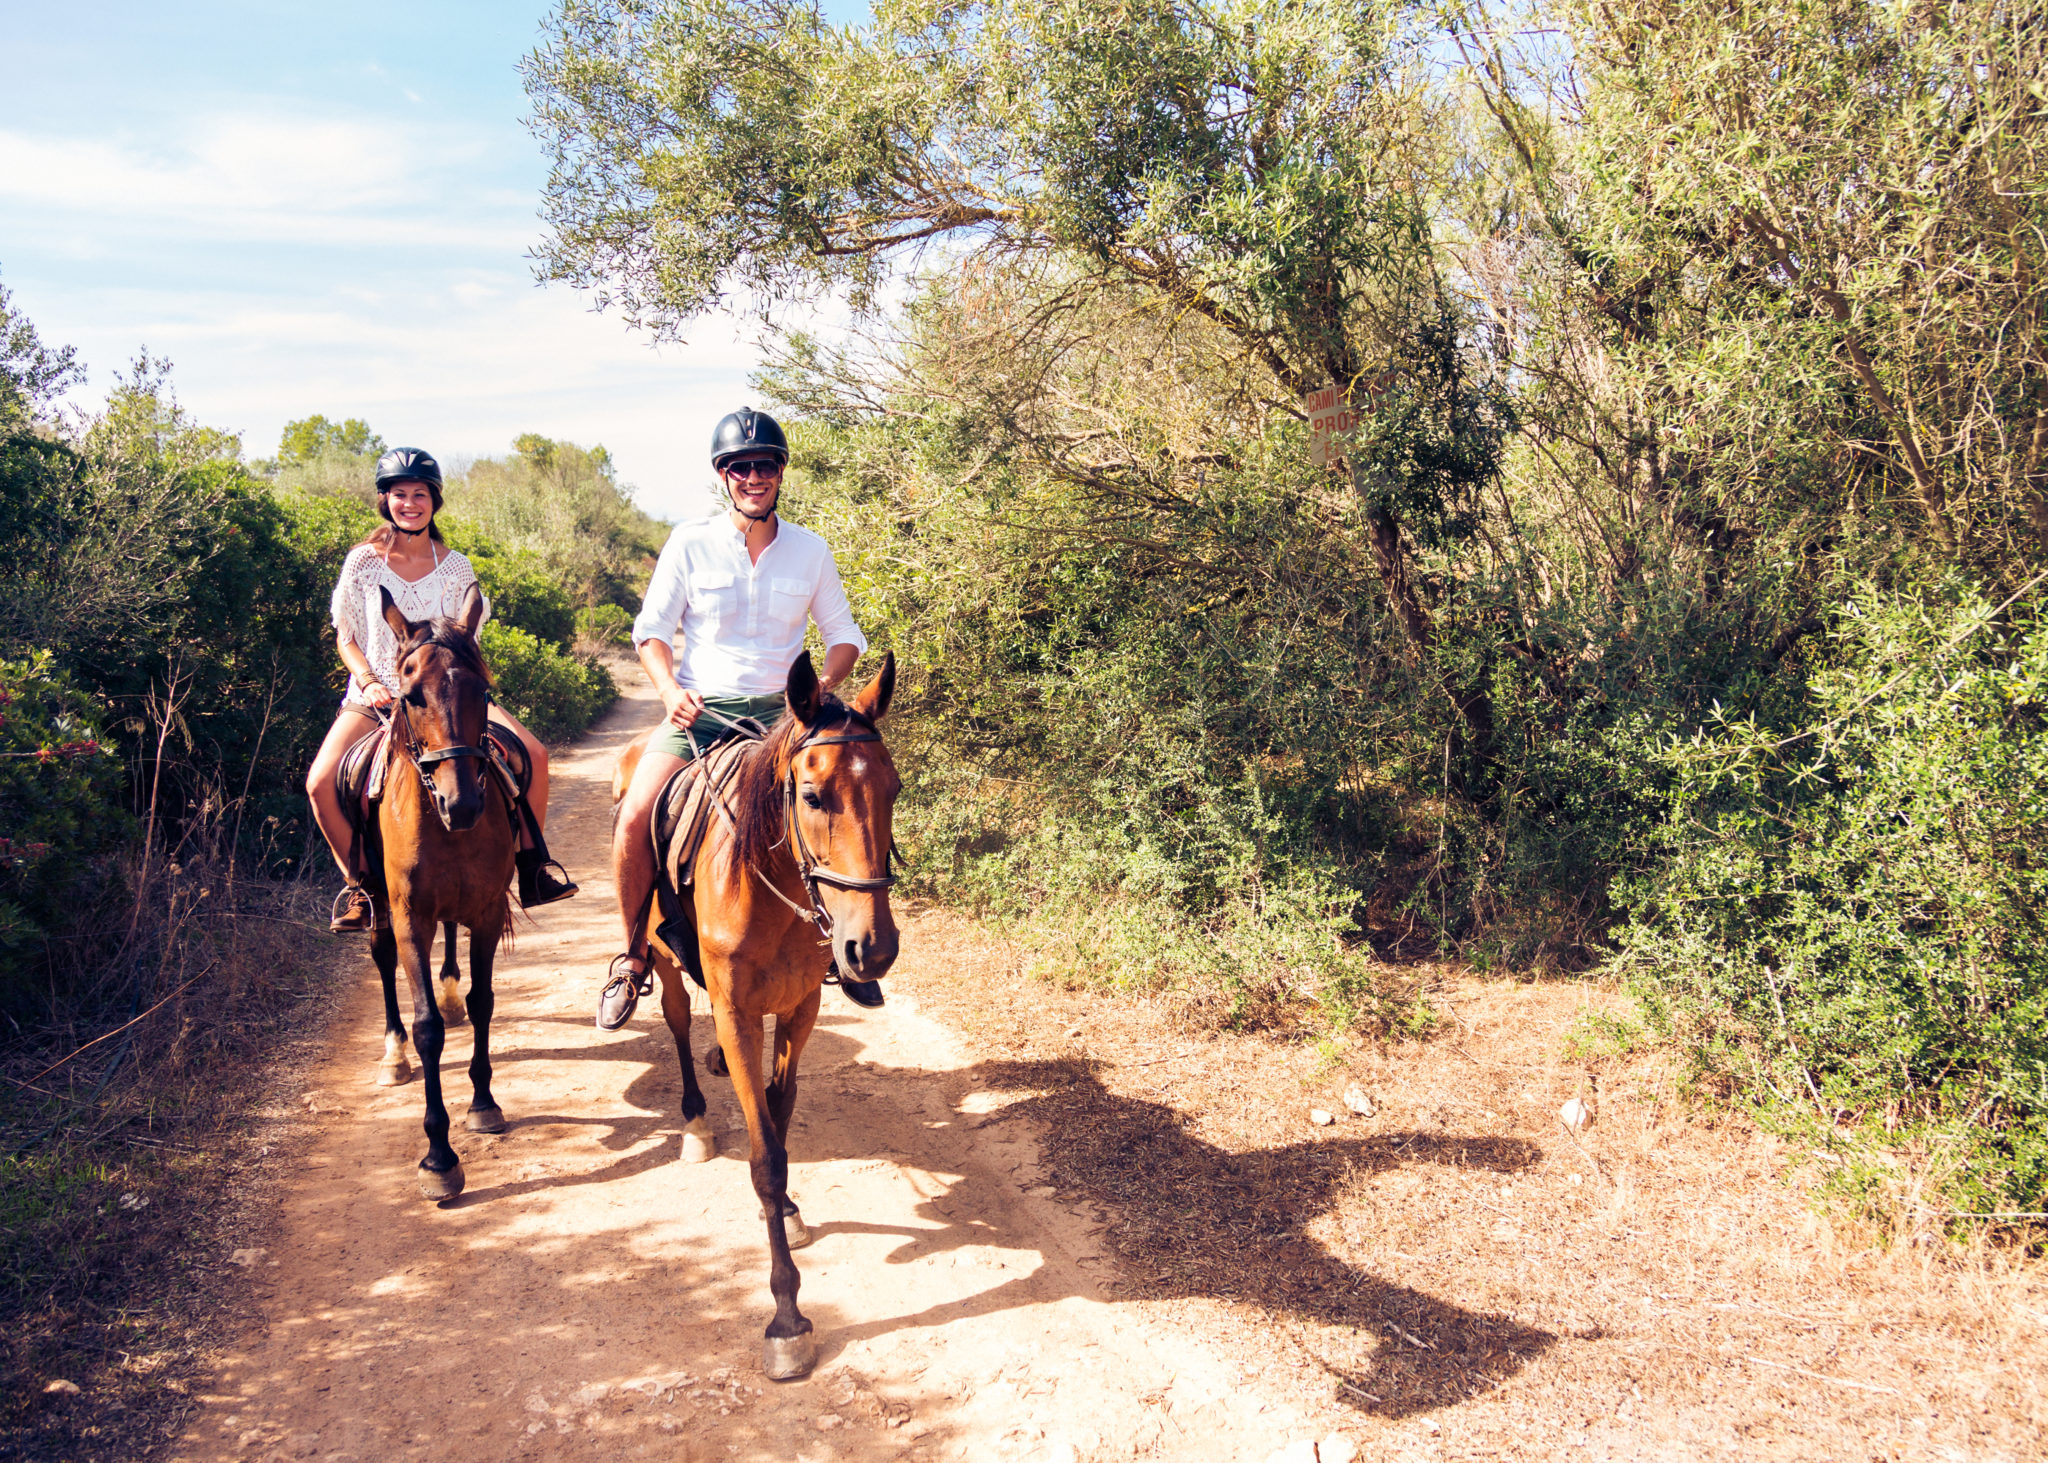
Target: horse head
{"x": 841, "y": 803}
{"x": 442, "y": 707}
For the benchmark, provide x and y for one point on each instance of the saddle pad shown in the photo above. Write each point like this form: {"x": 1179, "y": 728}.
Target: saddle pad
{"x": 359, "y": 780}
{"x": 683, "y": 813}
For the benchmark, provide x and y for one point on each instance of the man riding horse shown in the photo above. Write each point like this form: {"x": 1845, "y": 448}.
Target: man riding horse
{"x": 739, "y": 586}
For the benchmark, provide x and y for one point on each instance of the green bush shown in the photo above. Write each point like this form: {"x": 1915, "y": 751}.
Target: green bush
{"x": 604, "y": 625}
{"x": 60, "y": 813}
{"x": 555, "y": 694}
{"x": 1847, "y": 928}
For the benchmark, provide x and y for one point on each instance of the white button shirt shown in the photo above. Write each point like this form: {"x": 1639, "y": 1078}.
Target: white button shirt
{"x": 742, "y": 621}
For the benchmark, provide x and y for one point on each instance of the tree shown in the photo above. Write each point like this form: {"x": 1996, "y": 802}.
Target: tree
{"x": 32, "y": 375}
{"x": 1267, "y": 166}
{"x": 315, "y": 436}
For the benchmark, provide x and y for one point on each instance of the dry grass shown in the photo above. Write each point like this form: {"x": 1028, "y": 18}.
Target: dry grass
{"x": 1456, "y": 1275}
{"x": 121, "y": 1166}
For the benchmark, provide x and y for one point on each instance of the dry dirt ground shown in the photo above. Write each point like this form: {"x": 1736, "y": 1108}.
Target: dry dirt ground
{"x": 1053, "y": 1225}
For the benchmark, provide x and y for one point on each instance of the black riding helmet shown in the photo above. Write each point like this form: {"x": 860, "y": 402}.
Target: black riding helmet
{"x": 408, "y": 465}
{"x": 744, "y": 431}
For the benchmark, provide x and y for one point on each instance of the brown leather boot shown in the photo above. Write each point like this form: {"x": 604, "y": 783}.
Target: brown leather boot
{"x": 354, "y": 914}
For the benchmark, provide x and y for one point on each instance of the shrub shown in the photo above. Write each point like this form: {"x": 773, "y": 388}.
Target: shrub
{"x": 60, "y": 812}
{"x": 601, "y": 627}
{"x": 1847, "y": 929}
{"x": 555, "y": 694}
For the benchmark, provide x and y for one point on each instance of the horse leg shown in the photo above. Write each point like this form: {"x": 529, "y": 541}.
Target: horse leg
{"x": 484, "y": 1113}
{"x": 700, "y": 1143}
{"x": 393, "y": 1069}
{"x": 440, "y": 1171}
{"x": 791, "y": 1032}
{"x": 790, "y": 1349}
{"x": 450, "y": 979}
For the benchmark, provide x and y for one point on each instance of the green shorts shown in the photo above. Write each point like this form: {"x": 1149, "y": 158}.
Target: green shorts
{"x": 708, "y": 732}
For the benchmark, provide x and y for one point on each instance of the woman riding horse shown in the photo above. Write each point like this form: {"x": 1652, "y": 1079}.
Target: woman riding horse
{"x": 408, "y": 559}
{"x": 739, "y": 586}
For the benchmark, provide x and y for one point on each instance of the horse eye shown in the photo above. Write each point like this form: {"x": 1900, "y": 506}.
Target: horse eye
{"x": 417, "y": 697}
{"x": 811, "y": 798}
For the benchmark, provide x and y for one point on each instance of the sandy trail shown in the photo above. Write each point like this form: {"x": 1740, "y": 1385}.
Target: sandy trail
{"x": 592, "y": 1296}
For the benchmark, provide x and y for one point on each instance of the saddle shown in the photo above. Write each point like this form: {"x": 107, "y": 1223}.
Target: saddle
{"x": 359, "y": 783}
{"x": 682, "y": 816}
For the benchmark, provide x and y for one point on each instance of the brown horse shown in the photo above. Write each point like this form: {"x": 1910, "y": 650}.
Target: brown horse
{"x": 798, "y": 860}
{"x": 444, "y": 837}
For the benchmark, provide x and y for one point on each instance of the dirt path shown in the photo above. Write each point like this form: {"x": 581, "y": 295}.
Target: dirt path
{"x": 591, "y": 1296}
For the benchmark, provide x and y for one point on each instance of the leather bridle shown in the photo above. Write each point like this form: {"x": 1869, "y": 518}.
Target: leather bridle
{"x": 809, "y": 868}
{"x": 424, "y": 758}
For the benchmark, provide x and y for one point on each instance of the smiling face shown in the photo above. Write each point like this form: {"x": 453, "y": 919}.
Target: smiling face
{"x": 754, "y": 481}
{"x": 411, "y": 505}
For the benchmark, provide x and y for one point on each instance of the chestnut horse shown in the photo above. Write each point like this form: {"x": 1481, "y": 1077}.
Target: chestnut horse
{"x": 444, "y": 836}
{"x": 796, "y": 860}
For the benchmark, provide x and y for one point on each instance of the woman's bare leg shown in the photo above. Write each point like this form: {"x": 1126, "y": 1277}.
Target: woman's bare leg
{"x": 348, "y": 729}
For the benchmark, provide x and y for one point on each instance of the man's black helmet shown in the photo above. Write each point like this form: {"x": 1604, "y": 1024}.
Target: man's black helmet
{"x": 409, "y": 464}
{"x": 744, "y": 431}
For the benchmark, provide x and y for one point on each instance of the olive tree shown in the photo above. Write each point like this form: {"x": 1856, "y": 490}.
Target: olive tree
{"x": 1266, "y": 165}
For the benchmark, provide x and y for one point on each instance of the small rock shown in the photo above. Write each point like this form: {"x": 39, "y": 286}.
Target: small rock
{"x": 1043, "y": 1191}
{"x": 1429, "y": 1425}
{"x": 1302, "y": 1450}
{"x": 1357, "y": 1101}
{"x": 824, "y": 1422}
{"x": 896, "y": 1421}
{"x": 133, "y": 1202}
{"x": 1322, "y": 1118}
{"x": 1577, "y": 1114}
{"x": 247, "y": 1259}
{"x": 1073, "y": 1032}
{"x": 61, "y": 1388}
{"x": 1336, "y": 1448}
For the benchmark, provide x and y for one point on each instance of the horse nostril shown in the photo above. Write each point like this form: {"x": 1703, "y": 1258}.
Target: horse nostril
{"x": 849, "y": 957}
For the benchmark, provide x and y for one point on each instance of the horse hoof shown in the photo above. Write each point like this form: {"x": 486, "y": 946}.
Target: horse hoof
{"x": 794, "y": 1231}
{"x": 453, "y": 1012}
{"x": 441, "y": 1185}
{"x": 714, "y": 1062}
{"x": 393, "y": 1074}
{"x": 785, "y": 1358}
{"x": 700, "y": 1144}
{"x": 486, "y": 1120}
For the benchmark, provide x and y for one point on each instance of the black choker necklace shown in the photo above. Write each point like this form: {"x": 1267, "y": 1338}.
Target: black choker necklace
{"x": 410, "y": 532}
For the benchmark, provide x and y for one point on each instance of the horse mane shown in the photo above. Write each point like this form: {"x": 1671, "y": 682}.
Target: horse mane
{"x": 757, "y": 786}
{"x": 458, "y": 642}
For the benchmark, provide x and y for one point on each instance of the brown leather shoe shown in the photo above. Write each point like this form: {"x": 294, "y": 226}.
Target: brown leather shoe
{"x": 353, "y": 914}
{"x": 623, "y": 991}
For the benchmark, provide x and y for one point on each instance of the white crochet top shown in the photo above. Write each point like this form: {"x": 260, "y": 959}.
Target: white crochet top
{"x": 359, "y": 610}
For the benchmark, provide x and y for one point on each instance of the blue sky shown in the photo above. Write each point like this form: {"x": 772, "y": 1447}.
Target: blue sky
{"x": 327, "y": 209}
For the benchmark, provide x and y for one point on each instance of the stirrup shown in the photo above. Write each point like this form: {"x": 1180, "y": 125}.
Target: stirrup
{"x": 354, "y": 912}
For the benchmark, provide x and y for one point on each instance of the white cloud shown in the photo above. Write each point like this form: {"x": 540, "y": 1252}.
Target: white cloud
{"x": 353, "y": 182}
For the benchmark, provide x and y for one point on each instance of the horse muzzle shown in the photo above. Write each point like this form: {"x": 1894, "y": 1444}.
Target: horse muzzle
{"x": 866, "y": 954}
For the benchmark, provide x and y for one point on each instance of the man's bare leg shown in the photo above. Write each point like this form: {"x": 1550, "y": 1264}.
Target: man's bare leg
{"x": 633, "y": 874}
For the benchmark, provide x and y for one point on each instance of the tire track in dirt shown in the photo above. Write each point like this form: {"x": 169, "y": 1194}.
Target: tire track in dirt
{"x": 592, "y": 1296}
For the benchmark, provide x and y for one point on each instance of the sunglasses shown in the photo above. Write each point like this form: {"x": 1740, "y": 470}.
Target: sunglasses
{"x": 759, "y": 467}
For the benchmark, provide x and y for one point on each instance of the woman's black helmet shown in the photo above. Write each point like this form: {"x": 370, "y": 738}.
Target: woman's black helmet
{"x": 409, "y": 464}
{"x": 744, "y": 431}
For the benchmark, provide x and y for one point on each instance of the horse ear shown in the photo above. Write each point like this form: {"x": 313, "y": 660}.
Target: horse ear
{"x": 471, "y": 615}
{"x": 873, "y": 699}
{"x": 804, "y": 695}
{"x": 403, "y": 628}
